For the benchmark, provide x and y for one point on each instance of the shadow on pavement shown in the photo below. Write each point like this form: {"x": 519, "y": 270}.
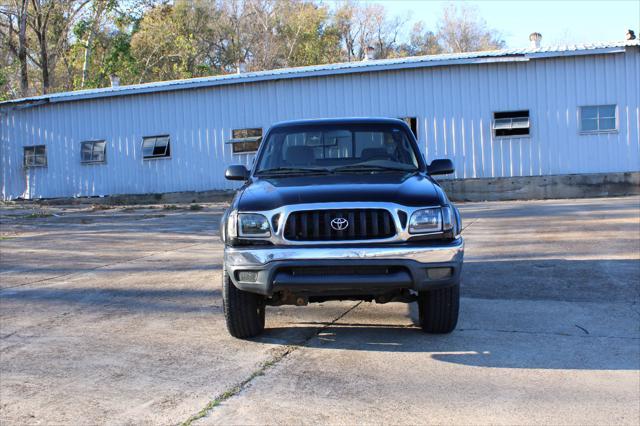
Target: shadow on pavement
{"x": 477, "y": 348}
{"x": 601, "y": 280}
{"x": 133, "y": 300}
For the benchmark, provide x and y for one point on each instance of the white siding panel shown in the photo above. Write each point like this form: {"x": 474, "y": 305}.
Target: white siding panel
{"x": 454, "y": 107}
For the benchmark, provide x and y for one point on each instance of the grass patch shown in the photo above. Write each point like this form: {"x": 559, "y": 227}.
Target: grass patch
{"x": 37, "y": 215}
{"x": 170, "y": 207}
{"x": 150, "y": 216}
{"x": 4, "y": 237}
{"x": 195, "y": 207}
{"x": 236, "y": 389}
{"x": 99, "y": 207}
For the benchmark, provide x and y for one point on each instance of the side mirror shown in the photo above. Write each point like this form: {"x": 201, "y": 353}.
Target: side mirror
{"x": 236, "y": 172}
{"x": 440, "y": 167}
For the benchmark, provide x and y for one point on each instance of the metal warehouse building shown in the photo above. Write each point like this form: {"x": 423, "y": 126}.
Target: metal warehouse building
{"x": 535, "y": 112}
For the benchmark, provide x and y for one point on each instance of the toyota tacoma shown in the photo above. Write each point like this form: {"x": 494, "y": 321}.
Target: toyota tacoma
{"x": 340, "y": 209}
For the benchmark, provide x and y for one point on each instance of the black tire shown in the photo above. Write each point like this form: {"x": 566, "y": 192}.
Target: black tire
{"x": 243, "y": 311}
{"x": 438, "y": 309}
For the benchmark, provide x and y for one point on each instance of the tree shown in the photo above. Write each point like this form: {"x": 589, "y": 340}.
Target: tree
{"x": 363, "y": 26}
{"x": 53, "y": 45}
{"x": 384, "y": 31}
{"x": 169, "y": 42}
{"x": 421, "y": 42}
{"x": 462, "y": 30}
{"x": 116, "y": 45}
{"x": 13, "y": 30}
{"x": 303, "y": 36}
{"x": 254, "y": 43}
{"x": 89, "y": 28}
{"x": 5, "y": 90}
{"x": 51, "y": 21}
{"x": 309, "y": 36}
{"x": 344, "y": 25}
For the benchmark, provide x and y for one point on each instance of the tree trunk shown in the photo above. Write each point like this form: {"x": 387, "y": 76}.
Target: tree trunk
{"x": 22, "y": 50}
{"x": 87, "y": 56}
{"x": 44, "y": 62}
{"x": 99, "y": 9}
{"x": 40, "y": 25}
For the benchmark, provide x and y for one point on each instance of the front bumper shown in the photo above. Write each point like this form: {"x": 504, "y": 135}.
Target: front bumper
{"x": 408, "y": 266}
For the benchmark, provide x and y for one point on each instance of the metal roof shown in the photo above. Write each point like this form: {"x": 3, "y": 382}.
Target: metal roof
{"x": 492, "y": 56}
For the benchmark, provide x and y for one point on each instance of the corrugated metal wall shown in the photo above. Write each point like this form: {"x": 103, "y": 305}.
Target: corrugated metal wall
{"x": 453, "y": 105}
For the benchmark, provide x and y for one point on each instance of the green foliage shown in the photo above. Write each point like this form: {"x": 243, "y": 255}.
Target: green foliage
{"x": 4, "y": 90}
{"x": 170, "y": 42}
{"x": 308, "y": 35}
{"x": 119, "y": 60}
{"x": 152, "y": 40}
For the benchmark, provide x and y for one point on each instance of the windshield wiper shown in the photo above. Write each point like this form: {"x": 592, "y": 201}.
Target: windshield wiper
{"x": 290, "y": 170}
{"x": 372, "y": 168}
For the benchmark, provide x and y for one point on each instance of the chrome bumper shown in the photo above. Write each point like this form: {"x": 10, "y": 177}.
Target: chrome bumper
{"x": 451, "y": 252}
{"x": 268, "y": 262}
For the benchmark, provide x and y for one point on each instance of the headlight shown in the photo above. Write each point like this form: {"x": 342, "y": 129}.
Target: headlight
{"x": 425, "y": 221}
{"x": 253, "y": 225}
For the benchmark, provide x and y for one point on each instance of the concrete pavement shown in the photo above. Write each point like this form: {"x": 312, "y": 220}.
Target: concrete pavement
{"x": 114, "y": 316}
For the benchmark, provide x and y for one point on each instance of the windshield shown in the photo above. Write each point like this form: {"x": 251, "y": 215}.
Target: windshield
{"x": 343, "y": 148}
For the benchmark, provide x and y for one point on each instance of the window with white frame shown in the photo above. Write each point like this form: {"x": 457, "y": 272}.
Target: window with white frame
{"x": 93, "y": 152}
{"x": 245, "y": 140}
{"x": 598, "y": 118}
{"x": 511, "y": 123}
{"x": 35, "y": 156}
{"x": 156, "y": 147}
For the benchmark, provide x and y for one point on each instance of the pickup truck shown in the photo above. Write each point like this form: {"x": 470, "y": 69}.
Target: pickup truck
{"x": 340, "y": 209}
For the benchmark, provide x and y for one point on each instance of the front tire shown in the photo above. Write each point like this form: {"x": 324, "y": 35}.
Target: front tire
{"x": 243, "y": 311}
{"x": 438, "y": 309}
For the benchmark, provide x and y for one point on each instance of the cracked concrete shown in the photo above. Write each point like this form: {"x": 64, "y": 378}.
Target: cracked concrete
{"x": 115, "y": 317}
{"x": 264, "y": 367}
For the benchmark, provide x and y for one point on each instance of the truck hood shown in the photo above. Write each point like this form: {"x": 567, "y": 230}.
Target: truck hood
{"x": 409, "y": 189}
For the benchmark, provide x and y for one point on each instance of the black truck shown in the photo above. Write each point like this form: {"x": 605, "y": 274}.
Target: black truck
{"x": 340, "y": 209}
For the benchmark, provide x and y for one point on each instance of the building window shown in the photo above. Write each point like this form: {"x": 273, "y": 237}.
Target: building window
{"x": 245, "y": 140}
{"x": 156, "y": 147}
{"x": 598, "y": 118}
{"x": 412, "y": 122}
{"x": 511, "y": 124}
{"x": 35, "y": 156}
{"x": 93, "y": 152}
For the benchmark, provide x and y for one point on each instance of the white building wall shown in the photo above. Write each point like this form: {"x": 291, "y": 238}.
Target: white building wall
{"x": 454, "y": 106}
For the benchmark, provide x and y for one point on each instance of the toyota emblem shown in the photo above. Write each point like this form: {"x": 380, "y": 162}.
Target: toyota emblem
{"x": 339, "y": 223}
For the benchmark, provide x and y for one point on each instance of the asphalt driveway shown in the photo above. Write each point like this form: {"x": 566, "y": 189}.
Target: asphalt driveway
{"x": 115, "y": 316}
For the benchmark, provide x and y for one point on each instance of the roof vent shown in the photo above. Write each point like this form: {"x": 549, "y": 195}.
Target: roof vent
{"x": 535, "y": 39}
{"x": 630, "y": 35}
{"x": 115, "y": 80}
{"x": 369, "y": 54}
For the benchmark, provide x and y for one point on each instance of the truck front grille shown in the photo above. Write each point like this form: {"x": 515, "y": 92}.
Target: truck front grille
{"x": 361, "y": 224}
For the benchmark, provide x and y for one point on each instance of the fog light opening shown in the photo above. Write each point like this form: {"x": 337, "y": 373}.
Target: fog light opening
{"x": 439, "y": 273}
{"x": 248, "y": 276}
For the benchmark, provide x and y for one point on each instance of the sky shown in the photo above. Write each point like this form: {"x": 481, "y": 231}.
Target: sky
{"x": 559, "y": 22}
